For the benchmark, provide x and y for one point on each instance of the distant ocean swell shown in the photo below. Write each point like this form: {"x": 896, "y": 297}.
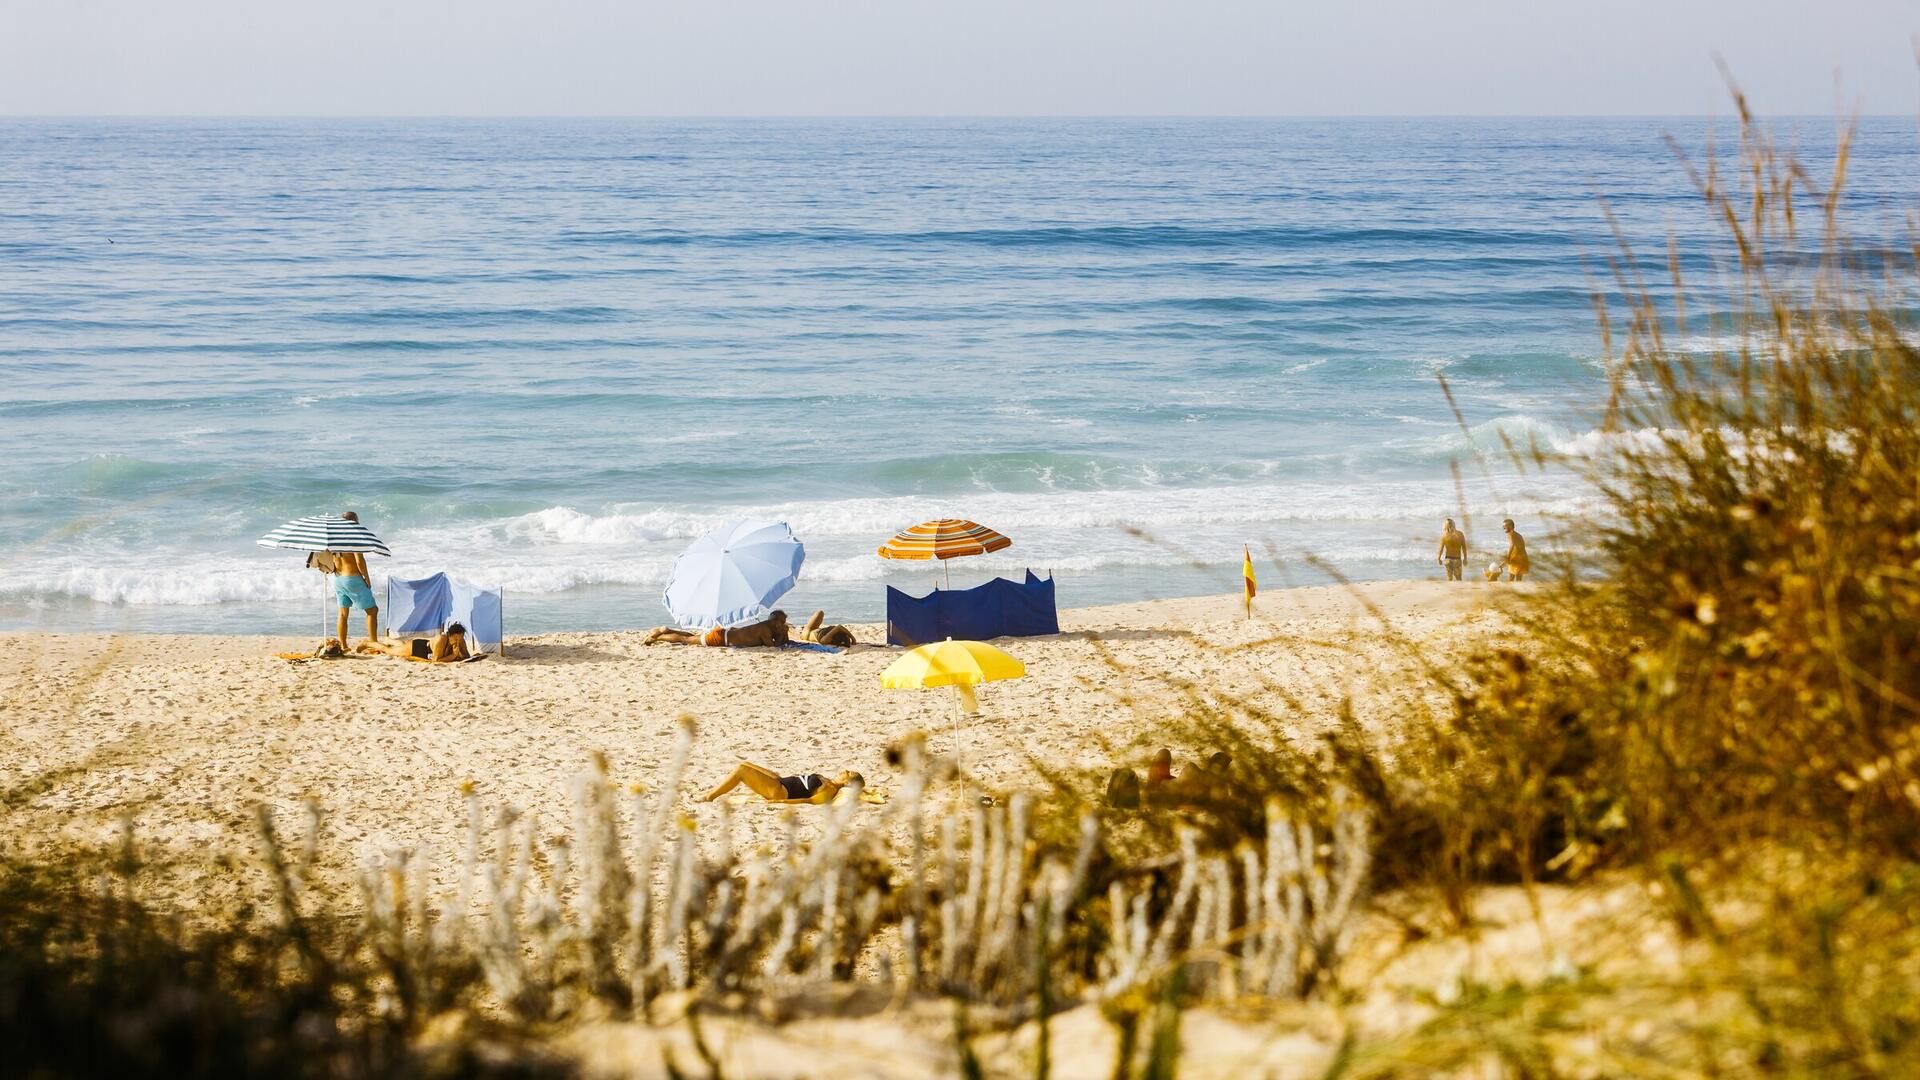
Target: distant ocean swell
{"x": 986, "y": 475}
{"x": 547, "y": 354}
{"x": 1127, "y": 237}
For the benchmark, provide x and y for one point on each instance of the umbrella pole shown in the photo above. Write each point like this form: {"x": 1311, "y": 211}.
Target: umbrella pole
{"x": 326, "y": 609}
{"x": 959, "y": 709}
{"x": 965, "y": 704}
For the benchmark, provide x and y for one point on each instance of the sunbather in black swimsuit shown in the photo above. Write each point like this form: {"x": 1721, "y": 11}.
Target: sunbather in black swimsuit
{"x": 802, "y": 787}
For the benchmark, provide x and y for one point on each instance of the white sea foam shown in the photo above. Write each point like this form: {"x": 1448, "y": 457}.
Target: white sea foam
{"x": 566, "y": 548}
{"x": 212, "y": 579}
{"x": 1146, "y": 510}
{"x": 1526, "y": 433}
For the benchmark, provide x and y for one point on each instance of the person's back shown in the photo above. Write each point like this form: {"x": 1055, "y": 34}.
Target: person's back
{"x": 353, "y": 588}
{"x": 770, "y": 632}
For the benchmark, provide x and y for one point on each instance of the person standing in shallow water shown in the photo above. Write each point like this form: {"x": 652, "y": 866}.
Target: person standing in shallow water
{"x": 1516, "y": 559}
{"x": 1453, "y": 551}
{"x": 353, "y": 587}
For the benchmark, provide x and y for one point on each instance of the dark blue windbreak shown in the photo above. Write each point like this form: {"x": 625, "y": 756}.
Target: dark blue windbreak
{"x": 1000, "y": 608}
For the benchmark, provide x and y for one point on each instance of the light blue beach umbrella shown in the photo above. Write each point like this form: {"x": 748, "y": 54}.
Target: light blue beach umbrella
{"x": 731, "y": 576}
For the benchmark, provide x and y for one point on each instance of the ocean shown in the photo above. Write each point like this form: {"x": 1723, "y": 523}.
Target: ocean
{"x": 547, "y": 354}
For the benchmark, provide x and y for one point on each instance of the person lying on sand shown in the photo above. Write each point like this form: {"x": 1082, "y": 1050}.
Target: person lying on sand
{"x": 771, "y": 632}
{"x": 1126, "y": 789}
{"x": 812, "y": 788}
{"x": 836, "y": 635}
{"x": 449, "y": 646}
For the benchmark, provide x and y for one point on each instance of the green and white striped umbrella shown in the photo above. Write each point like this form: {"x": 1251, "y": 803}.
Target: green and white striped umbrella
{"x": 325, "y": 533}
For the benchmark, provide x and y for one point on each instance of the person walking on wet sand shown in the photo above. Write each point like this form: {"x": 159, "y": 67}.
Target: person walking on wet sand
{"x": 353, "y": 587}
{"x": 1453, "y": 551}
{"x": 1516, "y": 557}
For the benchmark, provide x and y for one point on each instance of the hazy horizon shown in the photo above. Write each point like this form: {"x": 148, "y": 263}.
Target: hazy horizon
{"x": 996, "y": 58}
{"x": 775, "y": 117}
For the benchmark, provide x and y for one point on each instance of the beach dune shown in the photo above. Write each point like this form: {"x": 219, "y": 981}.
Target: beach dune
{"x": 185, "y": 735}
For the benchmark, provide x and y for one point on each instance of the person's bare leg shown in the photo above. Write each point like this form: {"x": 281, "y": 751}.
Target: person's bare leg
{"x": 373, "y": 624}
{"x": 340, "y": 628}
{"x": 671, "y": 636}
{"x": 761, "y": 781}
{"x": 811, "y": 632}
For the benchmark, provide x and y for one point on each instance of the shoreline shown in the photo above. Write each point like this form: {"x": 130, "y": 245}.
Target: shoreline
{"x": 1269, "y": 599}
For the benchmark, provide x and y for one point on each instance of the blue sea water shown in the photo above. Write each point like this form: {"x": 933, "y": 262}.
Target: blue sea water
{"x": 546, "y": 354}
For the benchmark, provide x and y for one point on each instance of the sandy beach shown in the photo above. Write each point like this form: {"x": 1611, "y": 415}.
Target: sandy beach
{"x": 186, "y": 734}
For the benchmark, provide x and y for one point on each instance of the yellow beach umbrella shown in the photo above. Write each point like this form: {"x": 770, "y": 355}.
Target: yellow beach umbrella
{"x": 962, "y": 665}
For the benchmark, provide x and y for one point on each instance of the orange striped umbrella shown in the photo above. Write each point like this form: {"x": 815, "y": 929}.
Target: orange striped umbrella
{"x": 948, "y": 538}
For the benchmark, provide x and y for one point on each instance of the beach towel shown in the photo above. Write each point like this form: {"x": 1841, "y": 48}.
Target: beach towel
{"x": 327, "y": 650}
{"x": 869, "y": 797}
{"x": 812, "y": 646}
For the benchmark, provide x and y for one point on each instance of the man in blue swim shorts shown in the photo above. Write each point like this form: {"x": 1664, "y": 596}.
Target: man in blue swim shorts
{"x": 353, "y": 587}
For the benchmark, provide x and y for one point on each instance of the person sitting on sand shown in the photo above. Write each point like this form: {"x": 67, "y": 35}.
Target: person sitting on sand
{"x": 812, "y": 788}
{"x": 771, "y": 632}
{"x": 1200, "y": 780}
{"x": 1126, "y": 790}
{"x": 1453, "y": 550}
{"x": 836, "y": 635}
{"x": 449, "y": 646}
{"x": 1516, "y": 557}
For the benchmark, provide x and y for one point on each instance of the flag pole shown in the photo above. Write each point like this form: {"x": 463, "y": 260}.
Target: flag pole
{"x": 1246, "y": 578}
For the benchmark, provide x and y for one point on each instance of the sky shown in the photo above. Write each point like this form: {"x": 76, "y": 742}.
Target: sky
{"x": 953, "y": 58}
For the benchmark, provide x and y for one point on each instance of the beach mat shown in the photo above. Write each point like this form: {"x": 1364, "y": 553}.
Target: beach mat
{"x": 317, "y": 654}
{"x": 813, "y": 646}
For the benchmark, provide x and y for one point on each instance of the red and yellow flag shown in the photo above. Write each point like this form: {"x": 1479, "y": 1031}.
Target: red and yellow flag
{"x": 1246, "y": 571}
